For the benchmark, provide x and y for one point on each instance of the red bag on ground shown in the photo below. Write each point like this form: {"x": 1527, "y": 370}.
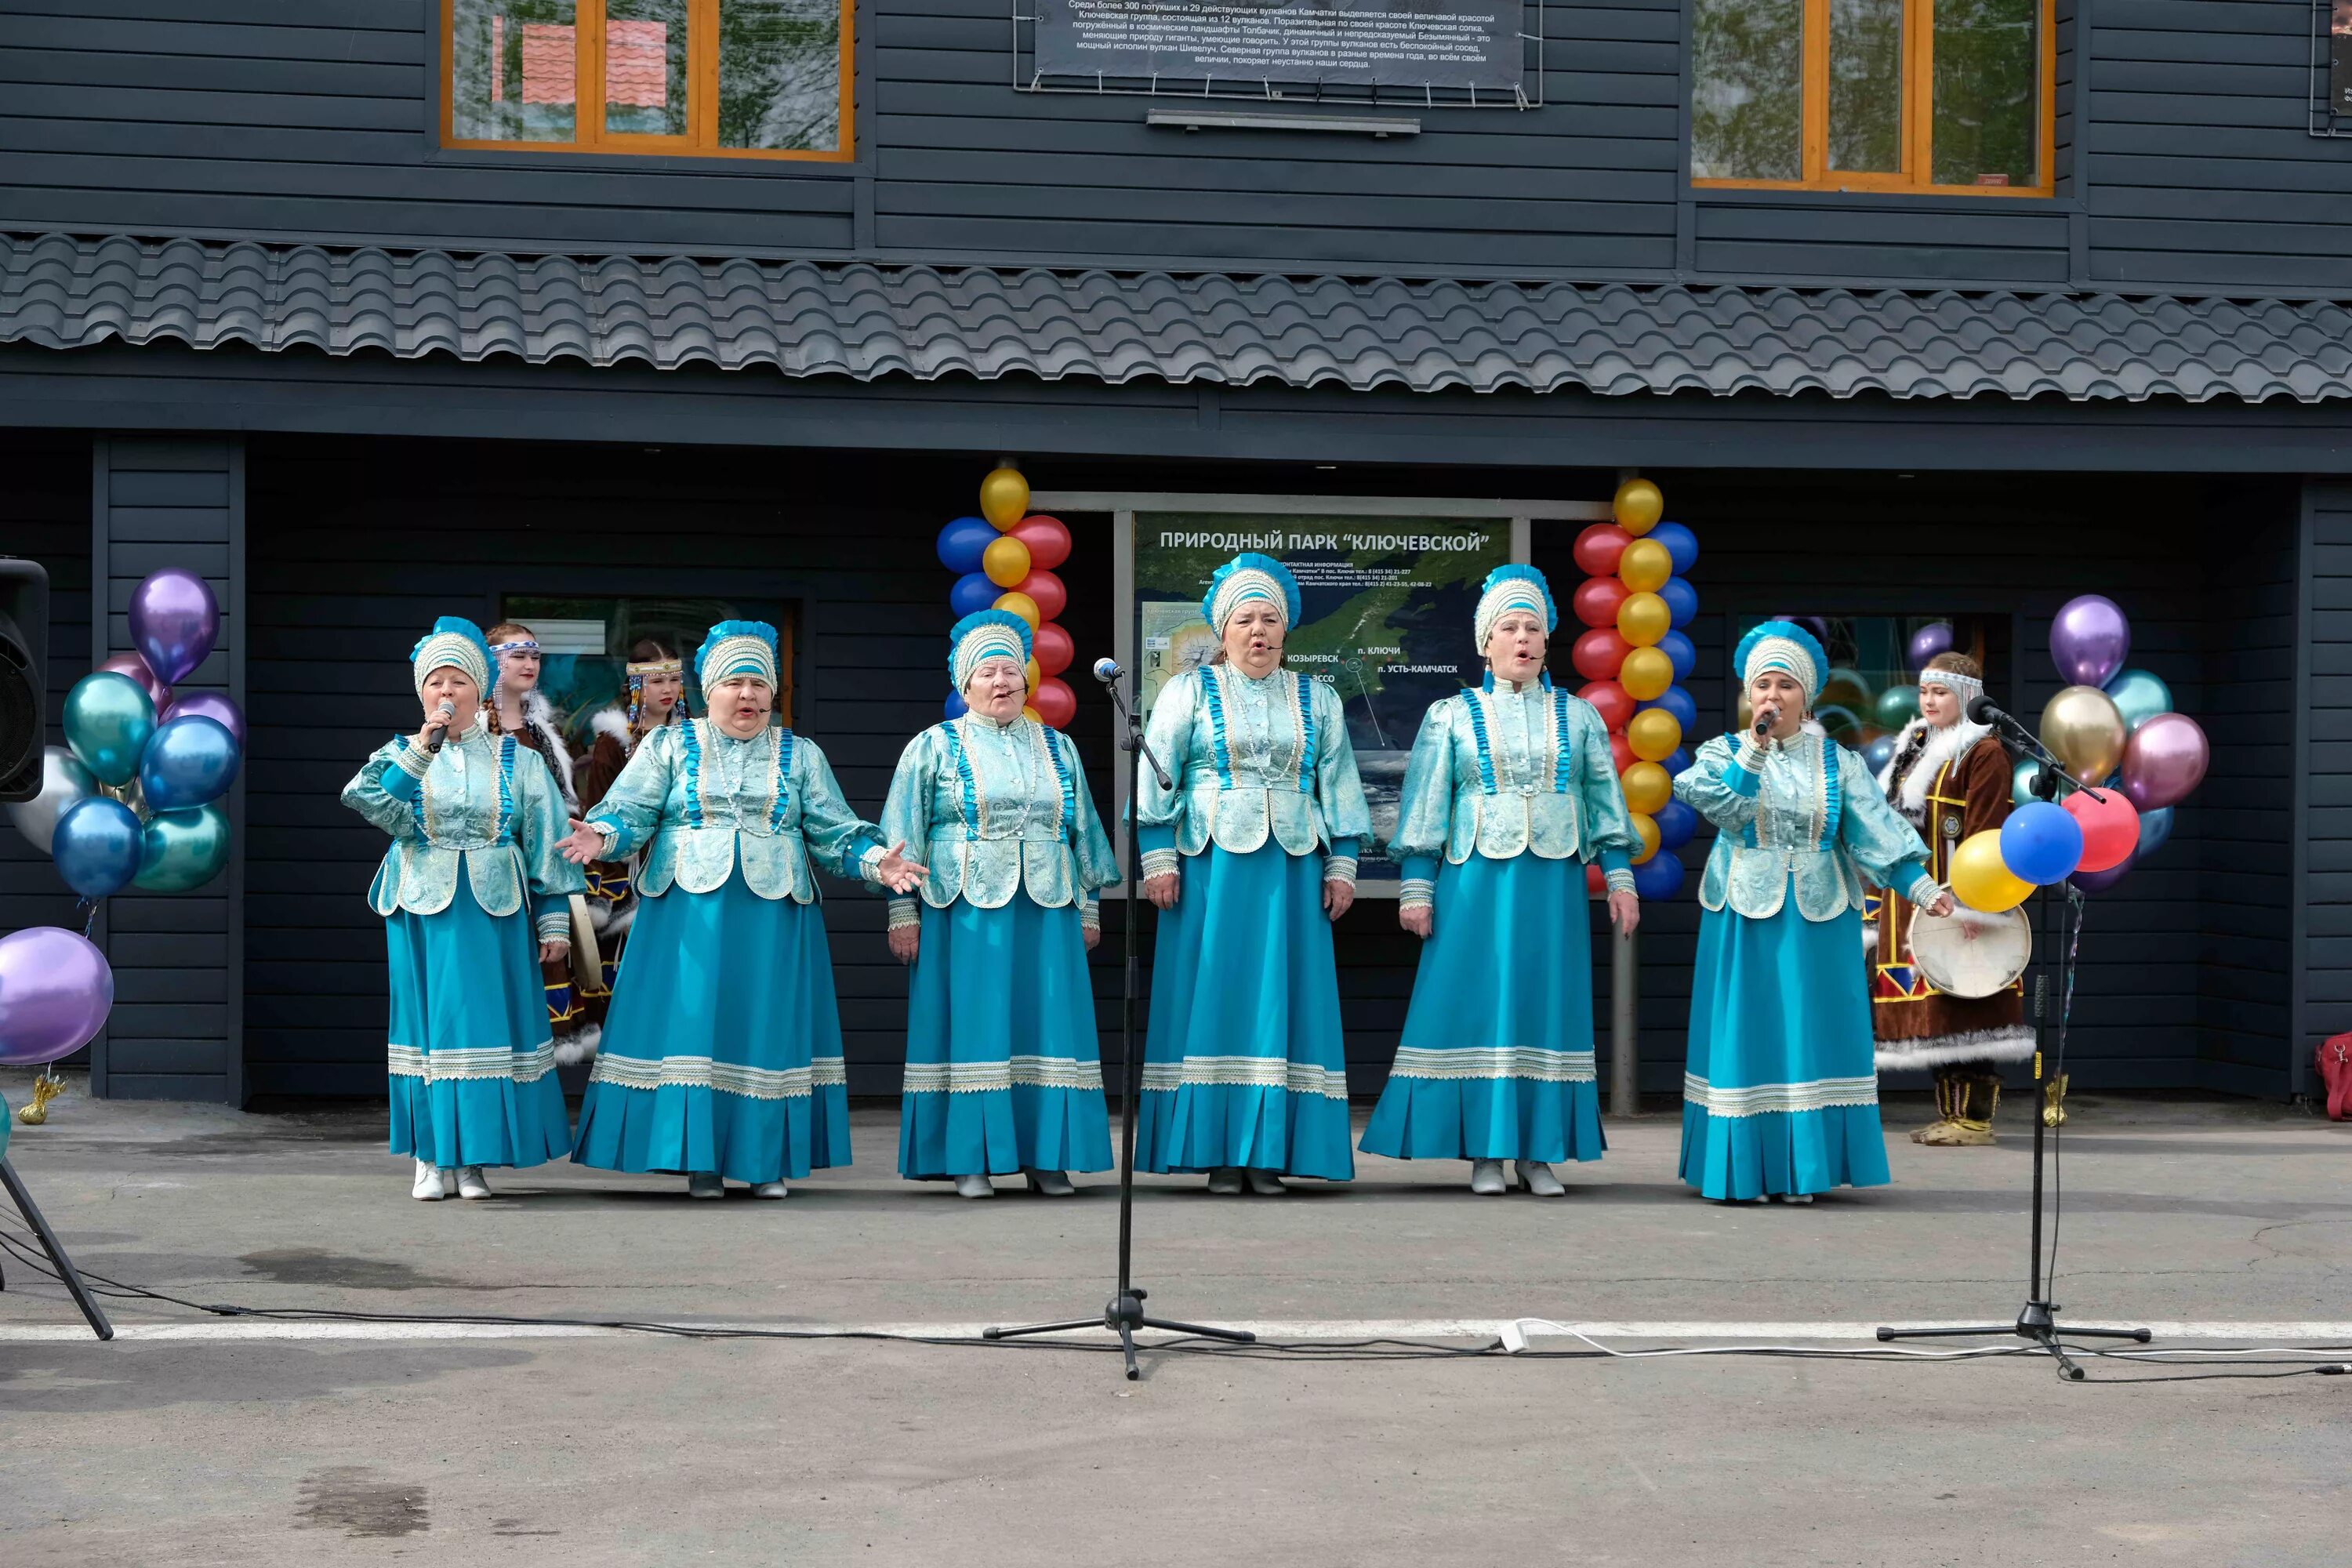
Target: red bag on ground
{"x": 2336, "y": 1071}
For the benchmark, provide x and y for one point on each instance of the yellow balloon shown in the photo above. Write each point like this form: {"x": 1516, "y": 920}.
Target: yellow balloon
{"x": 1006, "y": 560}
{"x": 1003, "y": 498}
{"x": 1638, "y": 506}
{"x": 1021, "y": 604}
{"x": 1644, "y": 619}
{"x": 1035, "y": 674}
{"x": 1647, "y": 787}
{"x": 1032, "y": 714}
{"x": 1647, "y": 827}
{"x": 1644, "y": 566}
{"x": 1980, "y": 878}
{"x": 1645, "y": 675}
{"x": 2086, "y": 731}
{"x": 1747, "y": 712}
{"x": 1653, "y": 734}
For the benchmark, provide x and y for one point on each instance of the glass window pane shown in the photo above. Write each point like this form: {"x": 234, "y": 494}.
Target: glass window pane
{"x": 645, "y": 68}
{"x": 1866, "y": 86}
{"x": 780, "y": 74}
{"x": 1747, "y": 89}
{"x": 1987, "y": 118}
{"x": 514, "y": 70}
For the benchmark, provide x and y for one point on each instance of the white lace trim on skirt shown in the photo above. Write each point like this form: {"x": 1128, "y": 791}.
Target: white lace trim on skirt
{"x": 726, "y": 1078}
{"x": 486, "y": 1062}
{"x": 1254, "y": 1072}
{"x": 1494, "y": 1062}
{"x": 976, "y": 1078}
{"x": 1821, "y": 1094}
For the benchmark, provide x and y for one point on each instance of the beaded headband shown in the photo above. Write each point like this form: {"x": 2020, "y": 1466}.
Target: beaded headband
{"x": 659, "y": 667}
{"x": 520, "y": 645}
{"x": 1967, "y": 687}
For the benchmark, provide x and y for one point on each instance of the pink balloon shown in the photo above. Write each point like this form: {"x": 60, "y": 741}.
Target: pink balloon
{"x": 131, "y": 664}
{"x": 56, "y": 991}
{"x": 2164, "y": 760}
{"x": 174, "y": 621}
{"x": 213, "y": 705}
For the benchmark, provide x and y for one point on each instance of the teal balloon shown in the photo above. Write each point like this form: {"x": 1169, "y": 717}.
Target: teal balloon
{"x": 1838, "y": 721}
{"x": 2020, "y": 781}
{"x": 108, "y": 720}
{"x": 183, "y": 849}
{"x": 1898, "y": 706}
{"x": 2155, "y": 827}
{"x": 97, "y": 847}
{"x": 2140, "y": 695}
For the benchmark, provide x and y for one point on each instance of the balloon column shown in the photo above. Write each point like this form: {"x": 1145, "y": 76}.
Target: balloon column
{"x": 1634, "y": 655}
{"x": 2114, "y": 730}
{"x": 1004, "y": 558}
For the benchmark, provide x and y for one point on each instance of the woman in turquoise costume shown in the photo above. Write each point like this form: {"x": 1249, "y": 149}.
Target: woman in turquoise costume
{"x": 1780, "y": 1095}
{"x": 1250, "y": 857}
{"x": 721, "y": 1054}
{"x": 1511, "y": 790}
{"x": 475, "y": 827}
{"x": 1002, "y": 1072}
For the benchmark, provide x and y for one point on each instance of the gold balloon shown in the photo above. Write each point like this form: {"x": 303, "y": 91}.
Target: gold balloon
{"x": 1653, "y": 734}
{"x": 1980, "y": 878}
{"x": 1746, "y": 711}
{"x": 1638, "y": 506}
{"x": 1006, "y": 562}
{"x": 1032, "y": 714}
{"x": 1644, "y": 566}
{"x": 1035, "y": 674}
{"x": 1003, "y": 498}
{"x": 1645, "y": 674}
{"x": 1647, "y": 787}
{"x": 2086, "y": 730}
{"x": 46, "y": 1087}
{"x": 1021, "y": 604}
{"x": 1647, "y": 827}
{"x": 1644, "y": 619}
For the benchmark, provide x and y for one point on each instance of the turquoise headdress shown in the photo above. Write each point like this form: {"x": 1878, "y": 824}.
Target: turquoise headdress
{"x": 455, "y": 643}
{"x": 1786, "y": 646}
{"x": 736, "y": 648}
{"x": 1509, "y": 588}
{"x": 984, "y": 635}
{"x": 1247, "y": 576}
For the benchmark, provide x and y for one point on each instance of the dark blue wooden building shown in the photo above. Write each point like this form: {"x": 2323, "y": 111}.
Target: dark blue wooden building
{"x": 1913, "y": 306}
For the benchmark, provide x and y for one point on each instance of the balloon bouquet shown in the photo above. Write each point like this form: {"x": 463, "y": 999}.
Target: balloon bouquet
{"x": 1636, "y": 600}
{"x": 1005, "y": 560}
{"x": 2113, "y": 728}
{"x": 132, "y": 800}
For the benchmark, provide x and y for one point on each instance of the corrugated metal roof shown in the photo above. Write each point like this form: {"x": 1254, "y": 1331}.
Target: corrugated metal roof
{"x": 868, "y": 322}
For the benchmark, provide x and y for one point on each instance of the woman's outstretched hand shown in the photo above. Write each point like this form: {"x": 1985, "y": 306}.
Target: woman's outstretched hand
{"x": 581, "y": 845}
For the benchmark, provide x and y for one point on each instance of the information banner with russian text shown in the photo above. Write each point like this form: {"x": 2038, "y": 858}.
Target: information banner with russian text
{"x": 1433, "y": 44}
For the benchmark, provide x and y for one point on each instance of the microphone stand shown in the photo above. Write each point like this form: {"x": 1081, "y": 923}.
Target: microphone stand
{"x": 1123, "y": 1315}
{"x": 90, "y": 1311}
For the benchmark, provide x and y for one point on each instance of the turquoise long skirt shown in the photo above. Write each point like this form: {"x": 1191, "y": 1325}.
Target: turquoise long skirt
{"x": 1243, "y": 1064}
{"x": 722, "y": 1047}
{"x": 1781, "y": 1094}
{"x": 472, "y": 1069}
{"x": 1003, "y": 1071}
{"x": 1496, "y": 1062}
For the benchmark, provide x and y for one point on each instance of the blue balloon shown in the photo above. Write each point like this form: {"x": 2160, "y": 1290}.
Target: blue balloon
{"x": 2042, "y": 843}
{"x": 1677, "y": 763}
{"x": 1682, "y": 544}
{"x": 189, "y": 761}
{"x": 1682, "y": 600}
{"x": 1659, "y": 877}
{"x": 1677, "y": 703}
{"x": 972, "y": 592}
{"x": 955, "y": 705}
{"x": 2155, "y": 829}
{"x": 1677, "y": 823}
{"x": 963, "y": 541}
{"x": 1879, "y": 752}
{"x": 1681, "y": 649}
{"x": 96, "y": 846}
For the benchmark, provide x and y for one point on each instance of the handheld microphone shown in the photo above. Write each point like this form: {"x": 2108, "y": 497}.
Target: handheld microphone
{"x": 440, "y": 732}
{"x": 1107, "y": 670}
{"x": 1764, "y": 722}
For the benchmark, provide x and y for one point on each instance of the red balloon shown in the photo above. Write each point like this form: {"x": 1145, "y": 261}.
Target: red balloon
{"x": 1596, "y": 882}
{"x": 1047, "y": 539}
{"x": 1598, "y": 547}
{"x": 1047, "y": 590}
{"x": 1611, "y": 702}
{"x": 1599, "y": 654}
{"x": 2110, "y": 828}
{"x": 1055, "y": 702}
{"x": 1621, "y": 752}
{"x": 1596, "y": 599}
{"x": 1053, "y": 648}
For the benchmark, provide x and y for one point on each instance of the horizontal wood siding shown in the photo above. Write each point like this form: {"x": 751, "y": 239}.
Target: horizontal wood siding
{"x": 44, "y": 517}
{"x": 2326, "y": 901}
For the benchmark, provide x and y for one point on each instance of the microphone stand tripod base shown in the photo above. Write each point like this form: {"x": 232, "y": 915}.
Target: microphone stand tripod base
{"x": 1123, "y": 1315}
{"x": 2039, "y": 1323}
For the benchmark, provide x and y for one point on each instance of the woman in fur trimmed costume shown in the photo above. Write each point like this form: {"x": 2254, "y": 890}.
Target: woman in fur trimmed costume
{"x": 1949, "y": 778}
{"x": 519, "y": 709}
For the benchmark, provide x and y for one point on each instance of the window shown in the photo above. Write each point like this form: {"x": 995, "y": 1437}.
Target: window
{"x": 738, "y": 78}
{"x": 1873, "y": 95}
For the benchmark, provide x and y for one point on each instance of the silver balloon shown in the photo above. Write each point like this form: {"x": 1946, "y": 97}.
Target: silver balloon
{"x": 65, "y": 782}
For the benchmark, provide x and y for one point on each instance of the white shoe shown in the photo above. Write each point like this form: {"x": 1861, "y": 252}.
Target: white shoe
{"x": 1792, "y": 1197}
{"x": 1486, "y": 1177}
{"x": 1225, "y": 1181}
{"x": 770, "y": 1190}
{"x": 975, "y": 1185}
{"x": 429, "y": 1184}
{"x": 1263, "y": 1182}
{"x": 1052, "y": 1183}
{"x": 1534, "y": 1176}
{"x": 705, "y": 1185}
{"x": 470, "y": 1183}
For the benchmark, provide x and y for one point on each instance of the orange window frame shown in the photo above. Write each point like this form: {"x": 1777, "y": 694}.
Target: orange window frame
{"x": 701, "y": 138}
{"x": 1918, "y": 107}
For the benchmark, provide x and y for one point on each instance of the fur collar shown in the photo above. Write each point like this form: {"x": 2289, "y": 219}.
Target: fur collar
{"x": 1942, "y": 746}
{"x": 613, "y": 723}
{"x": 538, "y": 713}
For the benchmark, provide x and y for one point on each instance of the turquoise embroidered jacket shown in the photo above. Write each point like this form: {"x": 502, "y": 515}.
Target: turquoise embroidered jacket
{"x": 708, "y": 800}
{"x": 1803, "y": 811}
{"x": 992, "y": 810}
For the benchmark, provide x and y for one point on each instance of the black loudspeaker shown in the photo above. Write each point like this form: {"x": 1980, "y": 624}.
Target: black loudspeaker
{"x": 24, "y": 640}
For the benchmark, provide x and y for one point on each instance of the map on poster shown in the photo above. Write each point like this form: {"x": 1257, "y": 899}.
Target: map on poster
{"x": 1385, "y": 610}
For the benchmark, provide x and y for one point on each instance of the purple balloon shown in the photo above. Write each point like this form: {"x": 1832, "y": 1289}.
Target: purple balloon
{"x": 174, "y": 621}
{"x": 2101, "y": 882}
{"x": 213, "y": 705}
{"x": 1816, "y": 625}
{"x": 2089, "y": 640}
{"x": 131, "y": 664}
{"x": 1928, "y": 642}
{"x": 2164, "y": 760}
{"x": 56, "y": 991}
